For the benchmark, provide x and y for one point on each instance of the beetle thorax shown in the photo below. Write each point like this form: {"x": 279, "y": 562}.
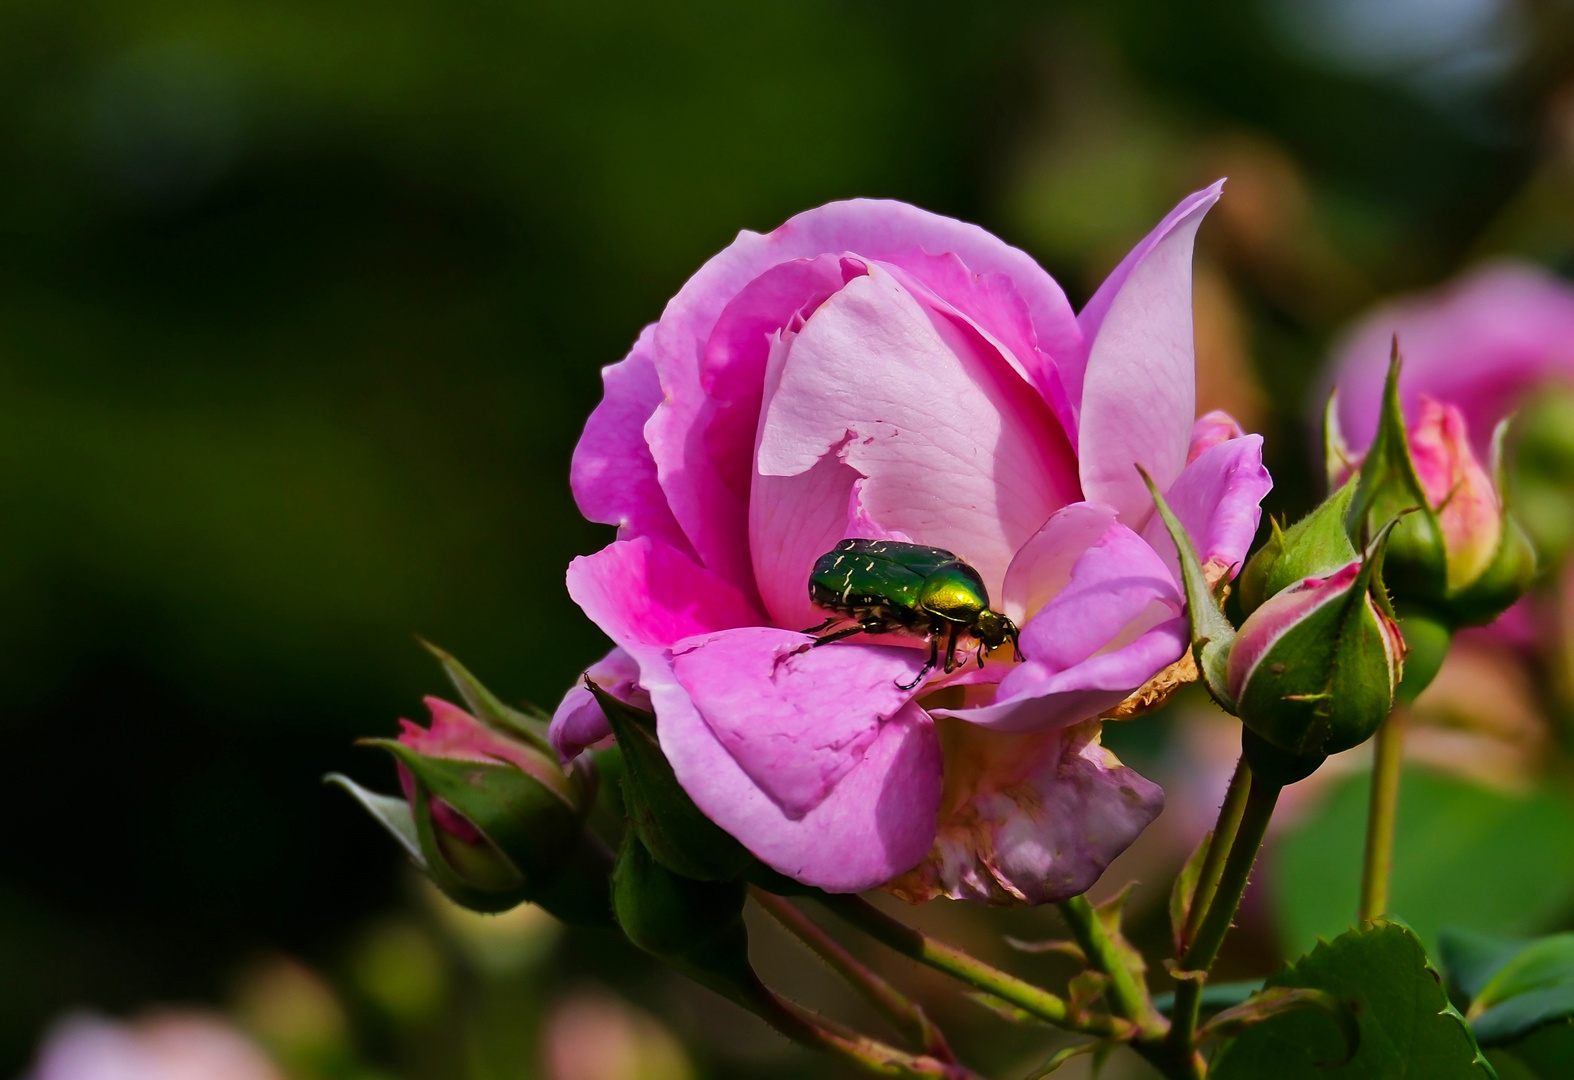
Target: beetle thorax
{"x": 953, "y": 594}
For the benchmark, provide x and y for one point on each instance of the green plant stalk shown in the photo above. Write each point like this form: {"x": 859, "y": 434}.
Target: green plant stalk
{"x": 907, "y": 1015}
{"x": 1260, "y": 800}
{"x": 863, "y": 1053}
{"x": 1219, "y": 848}
{"x": 959, "y": 965}
{"x": 1388, "y": 752}
{"x": 1127, "y": 992}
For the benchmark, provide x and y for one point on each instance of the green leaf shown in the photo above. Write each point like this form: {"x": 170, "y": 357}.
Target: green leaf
{"x": 1279, "y": 1000}
{"x": 1470, "y": 959}
{"x": 1381, "y": 976}
{"x": 1464, "y": 856}
{"x": 1215, "y": 996}
{"x": 1534, "y": 986}
{"x": 1547, "y": 1053}
{"x": 1060, "y": 1057}
{"x": 1211, "y": 632}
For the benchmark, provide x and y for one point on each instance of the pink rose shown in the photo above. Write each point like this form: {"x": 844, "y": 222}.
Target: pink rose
{"x": 169, "y": 1046}
{"x": 872, "y": 370}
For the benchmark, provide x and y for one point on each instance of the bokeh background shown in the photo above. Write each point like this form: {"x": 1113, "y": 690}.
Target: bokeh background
{"x": 302, "y": 305}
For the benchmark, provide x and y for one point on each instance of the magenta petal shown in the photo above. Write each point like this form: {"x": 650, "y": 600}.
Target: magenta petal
{"x": 645, "y": 596}
{"x": 1138, "y": 392}
{"x": 795, "y": 718}
{"x": 1114, "y": 626}
{"x": 1029, "y": 819}
{"x": 579, "y": 722}
{"x": 1211, "y": 429}
{"x": 876, "y": 823}
{"x": 1042, "y": 566}
{"x": 956, "y": 449}
{"x": 613, "y": 474}
{"x": 1218, "y": 498}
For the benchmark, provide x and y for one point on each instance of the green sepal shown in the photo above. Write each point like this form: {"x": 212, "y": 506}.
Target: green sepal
{"x": 1426, "y": 641}
{"x": 696, "y": 926}
{"x": 1279, "y": 1000}
{"x": 1514, "y": 563}
{"x": 524, "y": 819}
{"x": 1184, "y": 892}
{"x": 389, "y": 811}
{"x": 1274, "y": 765}
{"x": 1416, "y": 566}
{"x": 675, "y": 831}
{"x": 489, "y": 708}
{"x": 483, "y": 879}
{"x": 1211, "y": 632}
{"x": 1315, "y": 546}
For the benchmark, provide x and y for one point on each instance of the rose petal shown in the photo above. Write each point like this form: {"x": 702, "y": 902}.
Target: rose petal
{"x": 876, "y": 823}
{"x": 1218, "y": 498}
{"x": 796, "y": 718}
{"x": 613, "y": 475}
{"x": 1029, "y": 819}
{"x": 645, "y": 596}
{"x": 579, "y": 722}
{"x": 1211, "y": 429}
{"x": 1041, "y": 568}
{"x": 869, "y": 228}
{"x": 1458, "y": 488}
{"x": 1116, "y": 625}
{"x": 957, "y": 451}
{"x": 1138, "y": 392}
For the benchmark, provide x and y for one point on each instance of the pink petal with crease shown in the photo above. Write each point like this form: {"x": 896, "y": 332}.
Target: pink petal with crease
{"x": 1041, "y": 568}
{"x": 957, "y": 451}
{"x": 876, "y": 823}
{"x": 1029, "y": 819}
{"x": 796, "y": 718}
{"x": 1138, "y": 395}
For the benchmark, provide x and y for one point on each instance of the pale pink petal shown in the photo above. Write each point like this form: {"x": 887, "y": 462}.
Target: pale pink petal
{"x": 1041, "y": 568}
{"x": 1458, "y": 488}
{"x": 795, "y": 717}
{"x": 1112, "y": 628}
{"x": 645, "y": 596}
{"x": 579, "y": 722}
{"x": 1218, "y": 498}
{"x": 958, "y": 452}
{"x": 1029, "y": 819}
{"x": 878, "y": 229}
{"x": 1480, "y": 343}
{"x": 876, "y": 823}
{"x": 613, "y": 475}
{"x": 1138, "y": 394}
{"x": 1210, "y": 430}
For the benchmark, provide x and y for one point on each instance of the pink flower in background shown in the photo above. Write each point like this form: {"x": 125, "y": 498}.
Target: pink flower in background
{"x": 171, "y": 1046}
{"x": 1478, "y": 344}
{"x": 872, "y": 370}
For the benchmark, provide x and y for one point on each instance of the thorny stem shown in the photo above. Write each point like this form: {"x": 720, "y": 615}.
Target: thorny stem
{"x": 1387, "y": 757}
{"x": 1127, "y": 993}
{"x": 1204, "y": 949}
{"x": 1219, "y": 847}
{"x": 817, "y": 1033}
{"x": 904, "y": 1013}
{"x": 959, "y": 965}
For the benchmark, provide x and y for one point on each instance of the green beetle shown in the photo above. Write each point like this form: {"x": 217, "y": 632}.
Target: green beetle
{"x": 889, "y": 587}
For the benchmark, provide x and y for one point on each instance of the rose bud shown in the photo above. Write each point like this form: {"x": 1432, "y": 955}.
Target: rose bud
{"x": 492, "y": 818}
{"x": 1313, "y": 670}
{"x": 1459, "y": 558}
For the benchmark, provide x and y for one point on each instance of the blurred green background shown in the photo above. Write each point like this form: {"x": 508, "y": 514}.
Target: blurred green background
{"x": 302, "y": 305}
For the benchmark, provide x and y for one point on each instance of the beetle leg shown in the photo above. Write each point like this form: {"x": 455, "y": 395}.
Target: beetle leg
{"x": 929, "y": 665}
{"x": 826, "y": 625}
{"x": 950, "y": 650}
{"x": 847, "y": 632}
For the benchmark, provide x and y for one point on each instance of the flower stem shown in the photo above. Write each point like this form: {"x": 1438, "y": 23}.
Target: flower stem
{"x": 1128, "y": 994}
{"x": 907, "y": 1015}
{"x": 1387, "y": 757}
{"x": 817, "y": 1033}
{"x": 959, "y": 965}
{"x": 1256, "y": 812}
{"x": 1218, "y": 848}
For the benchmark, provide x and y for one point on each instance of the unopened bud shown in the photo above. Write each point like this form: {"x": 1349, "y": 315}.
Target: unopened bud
{"x": 1313, "y": 670}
